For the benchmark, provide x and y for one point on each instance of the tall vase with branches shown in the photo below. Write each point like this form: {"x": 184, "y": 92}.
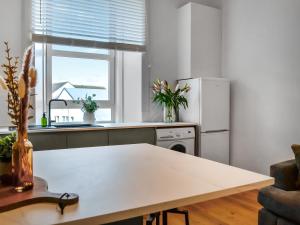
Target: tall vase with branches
{"x": 18, "y": 88}
{"x": 170, "y": 99}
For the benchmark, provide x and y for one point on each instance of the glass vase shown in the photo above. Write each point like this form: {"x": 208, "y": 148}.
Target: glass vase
{"x": 22, "y": 171}
{"x": 169, "y": 114}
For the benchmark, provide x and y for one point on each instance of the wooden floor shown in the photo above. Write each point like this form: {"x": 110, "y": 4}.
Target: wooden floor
{"x": 240, "y": 209}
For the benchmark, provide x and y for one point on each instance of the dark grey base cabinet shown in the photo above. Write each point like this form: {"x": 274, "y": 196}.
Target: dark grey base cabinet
{"x": 132, "y": 136}
{"x": 80, "y": 139}
{"x": 48, "y": 141}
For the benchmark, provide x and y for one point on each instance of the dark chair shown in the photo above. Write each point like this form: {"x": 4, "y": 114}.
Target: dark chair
{"x": 156, "y": 216}
{"x": 152, "y": 217}
{"x": 176, "y": 211}
{"x": 281, "y": 201}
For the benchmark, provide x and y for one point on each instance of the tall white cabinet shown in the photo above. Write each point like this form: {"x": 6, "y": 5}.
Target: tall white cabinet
{"x": 199, "y": 41}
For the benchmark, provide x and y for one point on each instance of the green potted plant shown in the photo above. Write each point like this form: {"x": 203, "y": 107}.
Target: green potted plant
{"x": 89, "y": 107}
{"x": 6, "y": 144}
{"x": 170, "y": 99}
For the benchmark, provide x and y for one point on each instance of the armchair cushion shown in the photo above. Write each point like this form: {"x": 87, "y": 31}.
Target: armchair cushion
{"x": 283, "y": 203}
{"x": 286, "y": 175}
{"x": 265, "y": 217}
{"x": 296, "y": 149}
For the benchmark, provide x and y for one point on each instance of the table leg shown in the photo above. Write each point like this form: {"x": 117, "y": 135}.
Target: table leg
{"x": 165, "y": 218}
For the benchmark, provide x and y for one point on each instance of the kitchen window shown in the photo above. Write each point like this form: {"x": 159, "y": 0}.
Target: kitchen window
{"x": 72, "y": 73}
{"x": 82, "y": 49}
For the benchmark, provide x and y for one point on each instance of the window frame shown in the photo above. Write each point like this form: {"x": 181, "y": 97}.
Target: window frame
{"x": 110, "y": 57}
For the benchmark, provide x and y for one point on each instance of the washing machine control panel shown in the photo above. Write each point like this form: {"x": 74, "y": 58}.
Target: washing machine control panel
{"x": 175, "y": 133}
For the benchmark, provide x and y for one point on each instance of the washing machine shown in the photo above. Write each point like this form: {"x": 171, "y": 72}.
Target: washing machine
{"x": 178, "y": 139}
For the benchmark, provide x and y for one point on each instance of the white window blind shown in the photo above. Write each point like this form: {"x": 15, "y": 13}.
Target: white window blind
{"x": 111, "y": 24}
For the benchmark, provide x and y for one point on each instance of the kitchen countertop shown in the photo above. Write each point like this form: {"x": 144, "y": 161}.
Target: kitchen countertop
{"x": 106, "y": 126}
{"x": 126, "y": 181}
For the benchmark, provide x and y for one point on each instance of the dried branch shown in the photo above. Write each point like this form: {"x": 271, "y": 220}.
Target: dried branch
{"x": 19, "y": 89}
{"x": 24, "y": 92}
{"x": 11, "y": 80}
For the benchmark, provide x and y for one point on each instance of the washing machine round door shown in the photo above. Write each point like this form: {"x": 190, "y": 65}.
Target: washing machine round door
{"x": 178, "y": 147}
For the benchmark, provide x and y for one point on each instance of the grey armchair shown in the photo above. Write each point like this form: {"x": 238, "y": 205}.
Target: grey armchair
{"x": 281, "y": 201}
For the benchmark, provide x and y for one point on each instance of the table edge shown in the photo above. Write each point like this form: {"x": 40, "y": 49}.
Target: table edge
{"x": 131, "y": 213}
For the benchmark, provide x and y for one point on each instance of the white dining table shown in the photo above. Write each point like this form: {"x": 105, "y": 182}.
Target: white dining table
{"x": 115, "y": 183}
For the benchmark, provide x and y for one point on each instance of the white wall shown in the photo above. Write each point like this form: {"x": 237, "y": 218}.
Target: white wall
{"x": 261, "y": 54}
{"x": 132, "y": 87}
{"x": 10, "y": 27}
{"x": 128, "y": 87}
{"x": 162, "y": 48}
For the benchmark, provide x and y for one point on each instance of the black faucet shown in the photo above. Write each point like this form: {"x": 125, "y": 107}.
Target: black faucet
{"x": 49, "y": 109}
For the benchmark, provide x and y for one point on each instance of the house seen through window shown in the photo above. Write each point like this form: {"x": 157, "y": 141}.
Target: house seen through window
{"x": 73, "y": 73}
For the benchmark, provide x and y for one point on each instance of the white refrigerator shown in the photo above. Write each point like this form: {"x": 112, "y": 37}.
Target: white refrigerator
{"x": 209, "y": 106}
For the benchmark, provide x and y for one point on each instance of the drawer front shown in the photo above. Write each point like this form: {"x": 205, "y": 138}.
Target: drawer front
{"x": 48, "y": 141}
{"x": 132, "y": 136}
{"x": 87, "y": 139}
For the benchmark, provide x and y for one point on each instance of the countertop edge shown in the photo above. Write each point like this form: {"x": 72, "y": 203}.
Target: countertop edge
{"x": 111, "y": 126}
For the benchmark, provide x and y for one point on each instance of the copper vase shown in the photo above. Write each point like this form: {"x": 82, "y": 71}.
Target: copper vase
{"x": 22, "y": 171}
